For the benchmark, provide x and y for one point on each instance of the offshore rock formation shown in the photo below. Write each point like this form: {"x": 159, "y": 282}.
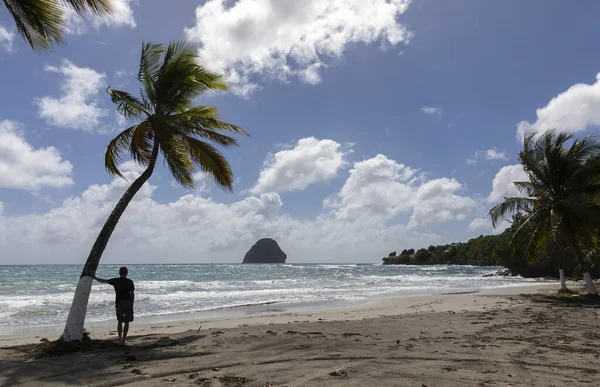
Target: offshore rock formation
{"x": 266, "y": 250}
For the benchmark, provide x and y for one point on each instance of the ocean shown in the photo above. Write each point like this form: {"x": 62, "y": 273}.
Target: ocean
{"x": 35, "y": 297}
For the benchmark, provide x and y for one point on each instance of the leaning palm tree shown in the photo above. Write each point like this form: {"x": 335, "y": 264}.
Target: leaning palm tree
{"x": 41, "y": 22}
{"x": 561, "y": 200}
{"x": 171, "y": 79}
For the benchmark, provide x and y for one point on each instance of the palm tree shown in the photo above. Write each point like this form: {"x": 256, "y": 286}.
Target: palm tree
{"x": 40, "y": 21}
{"x": 171, "y": 79}
{"x": 561, "y": 200}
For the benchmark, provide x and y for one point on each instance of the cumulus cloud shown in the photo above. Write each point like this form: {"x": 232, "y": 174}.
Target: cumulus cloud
{"x": 77, "y": 108}
{"x": 480, "y": 224}
{"x": 122, "y": 16}
{"x": 192, "y": 228}
{"x": 503, "y": 183}
{"x": 571, "y": 111}
{"x": 490, "y": 154}
{"x": 357, "y": 223}
{"x": 485, "y": 225}
{"x": 283, "y": 39}
{"x": 434, "y": 111}
{"x": 382, "y": 188}
{"x": 6, "y": 39}
{"x": 24, "y": 167}
{"x": 310, "y": 161}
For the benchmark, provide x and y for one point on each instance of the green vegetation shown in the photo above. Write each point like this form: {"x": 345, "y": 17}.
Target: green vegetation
{"x": 555, "y": 222}
{"x": 41, "y": 22}
{"x": 492, "y": 250}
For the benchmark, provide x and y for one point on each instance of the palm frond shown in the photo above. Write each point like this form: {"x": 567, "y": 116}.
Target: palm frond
{"x": 179, "y": 161}
{"x": 115, "y": 149}
{"x": 38, "y": 22}
{"x": 539, "y": 234}
{"x": 141, "y": 143}
{"x": 210, "y": 161}
{"x": 207, "y": 118}
{"x": 510, "y": 206}
{"x": 181, "y": 78}
{"x": 150, "y": 63}
{"x": 129, "y": 106}
{"x": 98, "y": 7}
{"x": 588, "y": 173}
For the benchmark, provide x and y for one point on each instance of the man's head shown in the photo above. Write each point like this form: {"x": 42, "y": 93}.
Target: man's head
{"x": 123, "y": 272}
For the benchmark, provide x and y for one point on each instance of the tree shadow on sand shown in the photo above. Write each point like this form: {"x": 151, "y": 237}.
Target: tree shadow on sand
{"x": 102, "y": 359}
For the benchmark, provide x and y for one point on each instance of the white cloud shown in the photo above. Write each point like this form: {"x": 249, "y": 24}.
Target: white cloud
{"x": 485, "y": 225}
{"x": 382, "y": 188}
{"x": 281, "y": 39}
{"x": 571, "y": 111}
{"x": 193, "y": 228}
{"x": 6, "y": 39}
{"x": 77, "y": 107}
{"x": 358, "y": 223}
{"x": 490, "y": 154}
{"x": 493, "y": 154}
{"x": 122, "y": 16}
{"x": 480, "y": 224}
{"x": 24, "y": 167}
{"x": 436, "y": 111}
{"x": 310, "y": 161}
{"x": 502, "y": 185}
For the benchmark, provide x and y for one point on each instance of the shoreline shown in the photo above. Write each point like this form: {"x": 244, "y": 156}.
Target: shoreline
{"x": 282, "y": 313}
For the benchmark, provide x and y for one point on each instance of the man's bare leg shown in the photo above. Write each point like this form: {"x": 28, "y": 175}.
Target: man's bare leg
{"x": 125, "y": 330}
{"x": 120, "y": 331}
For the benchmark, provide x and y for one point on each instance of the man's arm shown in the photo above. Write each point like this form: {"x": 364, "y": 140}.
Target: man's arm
{"x": 100, "y": 279}
{"x": 132, "y": 296}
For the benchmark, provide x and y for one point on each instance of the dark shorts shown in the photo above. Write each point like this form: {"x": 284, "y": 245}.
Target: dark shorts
{"x": 124, "y": 311}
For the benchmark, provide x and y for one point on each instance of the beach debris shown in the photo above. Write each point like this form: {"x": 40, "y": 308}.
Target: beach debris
{"x": 450, "y": 369}
{"x": 349, "y": 334}
{"x": 126, "y": 366}
{"x": 44, "y": 340}
{"x": 269, "y": 332}
{"x": 215, "y": 369}
{"x": 340, "y": 372}
{"x": 232, "y": 380}
{"x": 136, "y": 371}
{"x": 169, "y": 380}
{"x": 200, "y": 327}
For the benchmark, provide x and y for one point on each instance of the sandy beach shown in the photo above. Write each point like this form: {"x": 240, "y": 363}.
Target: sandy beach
{"x": 496, "y": 337}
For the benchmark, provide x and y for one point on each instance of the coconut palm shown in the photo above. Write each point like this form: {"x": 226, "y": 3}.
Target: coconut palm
{"x": 40, "y": 22}
{"x": 171, "y": 79}
{"x": 561, "y": 200}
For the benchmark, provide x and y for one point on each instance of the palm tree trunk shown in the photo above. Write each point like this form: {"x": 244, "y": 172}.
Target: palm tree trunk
{"x": 563, "y": 282}
{"x": 585, "y": 266}
{"x": 74, "y": 325}
{"x": 561, "y": 269}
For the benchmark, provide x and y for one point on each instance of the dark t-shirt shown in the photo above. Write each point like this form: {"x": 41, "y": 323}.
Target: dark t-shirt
{"x": 123, "y": 288}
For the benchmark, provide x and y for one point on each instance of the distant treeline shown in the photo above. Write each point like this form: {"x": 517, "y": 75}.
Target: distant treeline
{"x": 492, "y": 250}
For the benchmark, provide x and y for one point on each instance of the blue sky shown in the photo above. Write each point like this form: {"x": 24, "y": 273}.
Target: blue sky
{"x": 372, "y": 128}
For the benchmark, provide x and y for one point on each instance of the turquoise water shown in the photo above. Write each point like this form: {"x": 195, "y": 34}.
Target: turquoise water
{"x": 39, "y": 296}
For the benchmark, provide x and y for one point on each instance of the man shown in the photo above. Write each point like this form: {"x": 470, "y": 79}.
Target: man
{"x": 124, "y": 301}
